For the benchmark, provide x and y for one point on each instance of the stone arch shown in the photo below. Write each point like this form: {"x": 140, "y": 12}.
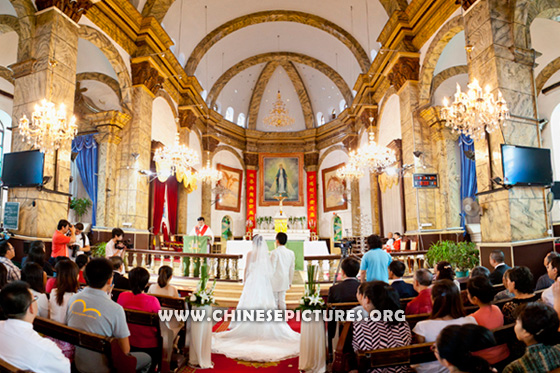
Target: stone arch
{"x": 26, "y": 19}
{"x": 547, "y": 73}
{"x": 329, "y": 151}
{"x": 390, "y": 91}
{"x": 277, "y": 16}
{"x": 115, "y": 59}
{"x": 103, "y": 78}
{"x": 165, "y": 95}
{"x": 441, "y": 39}
{"x": 525, "y": 12}
{"x": 280, "y": 57}
{"x": 299, "y": 87}
{"x": 446, "y": 74}
{"x": 227, "y": 148}
{"x": 9, "y": 23}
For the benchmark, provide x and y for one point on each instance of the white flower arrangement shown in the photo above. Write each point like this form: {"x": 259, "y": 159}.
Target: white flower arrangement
{"x": 203, "y": 295}
{"x": 311, "y": 299}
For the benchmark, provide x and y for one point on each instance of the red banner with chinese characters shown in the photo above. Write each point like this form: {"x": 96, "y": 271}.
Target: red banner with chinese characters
{"x": 312, "y": 201}
{"x": 251, "y": 185}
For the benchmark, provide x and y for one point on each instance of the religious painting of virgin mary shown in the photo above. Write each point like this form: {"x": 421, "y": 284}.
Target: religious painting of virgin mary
{"x": 281, "y": 175}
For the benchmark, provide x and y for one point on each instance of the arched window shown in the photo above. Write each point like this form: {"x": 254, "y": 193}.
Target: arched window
{"x": 241, "y": 120}
{"x": 342, "y": 105}
{"x": 229, "y": 114}
{"x": 320, "y": 119}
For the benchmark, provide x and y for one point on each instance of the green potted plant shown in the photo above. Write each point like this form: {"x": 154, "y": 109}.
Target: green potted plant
{"x": 439, "y": 251}
{"x": 98, "y": 251}
{"x": 464, "y": 257}
{"x": 80, "y": 206}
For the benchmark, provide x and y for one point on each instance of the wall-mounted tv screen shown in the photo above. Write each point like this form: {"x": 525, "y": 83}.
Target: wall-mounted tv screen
{"x": 23, "y": 169}
{"x": 526, "y": 166}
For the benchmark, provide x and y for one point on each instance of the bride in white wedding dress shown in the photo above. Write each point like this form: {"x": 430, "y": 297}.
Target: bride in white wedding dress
{"x": 257, "y": 341}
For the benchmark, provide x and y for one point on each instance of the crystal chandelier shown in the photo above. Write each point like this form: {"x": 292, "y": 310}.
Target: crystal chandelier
{"x": 49, "y": 128}
{"x": 351, "y": 171}
{"x": 279, "y": 115}
{"x": 178, "y": 160}
{"x": 474, "y": 113}
{"x": 373, "y": 156}
{"x": 209, "y": 174}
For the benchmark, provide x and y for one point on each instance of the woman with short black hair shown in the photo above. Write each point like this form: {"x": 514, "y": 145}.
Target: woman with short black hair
{"x": 519, "y": 281}
{"x": 32, "y": 273}
{"x": 537, "y": 327}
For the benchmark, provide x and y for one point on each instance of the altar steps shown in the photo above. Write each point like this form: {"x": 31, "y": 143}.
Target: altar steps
{"x": 227, "y": 294}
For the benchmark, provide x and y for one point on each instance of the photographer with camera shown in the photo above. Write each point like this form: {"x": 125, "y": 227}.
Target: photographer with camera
{"x": 81, "y": 246}
{"x": 115, "y": 246}
{"x": 61, "y": 240}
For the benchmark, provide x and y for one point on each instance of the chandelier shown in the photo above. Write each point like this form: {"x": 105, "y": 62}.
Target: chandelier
{"x": 49, "y": 128}
{"x": 178, "y": 160}
{"x": 209, "y": 174}
{"x": 474, "y": 113}
{"x": 374, "y": 156}
{"x": 279, "y": 115}
{"x": 351, "y": 171}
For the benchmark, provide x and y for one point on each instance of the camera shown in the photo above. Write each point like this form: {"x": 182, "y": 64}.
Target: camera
{"x": 125, "y": 244}
{"x": 345, "y": 245}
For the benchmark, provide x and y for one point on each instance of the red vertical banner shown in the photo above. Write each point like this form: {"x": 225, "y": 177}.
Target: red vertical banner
{"x": 251, "y": 185}
{"x": 312, "y": 201}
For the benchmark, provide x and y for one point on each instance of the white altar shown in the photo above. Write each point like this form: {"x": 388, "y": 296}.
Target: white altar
{"x": 310, "y": 248}
{"x": 294, "y": 235}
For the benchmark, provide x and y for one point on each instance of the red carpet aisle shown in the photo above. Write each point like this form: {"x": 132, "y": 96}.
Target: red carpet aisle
{"x": 224, "y": 364}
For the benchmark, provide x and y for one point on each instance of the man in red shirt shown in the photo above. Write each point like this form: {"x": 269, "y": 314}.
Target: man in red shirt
{"x": 60, "y": 240}
{"x": 423, "y": 302}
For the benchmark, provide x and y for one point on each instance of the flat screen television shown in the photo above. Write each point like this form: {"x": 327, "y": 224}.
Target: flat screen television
{"x": 526, "y": 166}
{"x": 23, "y": 169}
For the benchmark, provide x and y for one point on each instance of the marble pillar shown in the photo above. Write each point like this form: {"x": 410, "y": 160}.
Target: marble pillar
{"x": 376, "y": 217}
{"x": 109, "y": 127}
{"x": 133, "y": 188}
{"x": 519, "y": 213}
{"x": 206, "y": 191}
{"x": 55, "y": 40}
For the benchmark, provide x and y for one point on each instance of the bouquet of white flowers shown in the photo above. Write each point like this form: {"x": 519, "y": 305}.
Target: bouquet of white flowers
{"x": 311, "y": 299}
{"x": 203, "y": 296}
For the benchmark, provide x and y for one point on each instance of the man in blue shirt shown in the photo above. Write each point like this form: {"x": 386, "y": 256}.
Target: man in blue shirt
{"x": 375, "y": 263}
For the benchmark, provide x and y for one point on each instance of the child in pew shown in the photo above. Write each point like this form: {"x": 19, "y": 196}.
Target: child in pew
{"x": 142, "y": 338}
{"x": 456, "y": 346}
{"x": 92, "y": 310}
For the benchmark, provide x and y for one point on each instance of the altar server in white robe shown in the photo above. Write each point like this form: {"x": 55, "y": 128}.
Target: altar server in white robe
{"x": 283, "y": 261}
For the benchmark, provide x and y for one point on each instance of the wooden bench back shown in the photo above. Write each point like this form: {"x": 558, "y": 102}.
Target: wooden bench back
{"x": 164, "y": 300}
{"x": 119, "y": 362}
{"x": 6, "y": 367}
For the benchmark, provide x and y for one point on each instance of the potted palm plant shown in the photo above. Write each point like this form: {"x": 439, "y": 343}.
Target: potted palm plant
{"x": 80, "y": 206}
{"x": 464, "y": 257}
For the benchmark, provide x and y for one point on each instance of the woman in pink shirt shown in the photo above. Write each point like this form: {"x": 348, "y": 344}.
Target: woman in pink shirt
{"x": 481, "y": 293}
{"x": 142, "y": 338}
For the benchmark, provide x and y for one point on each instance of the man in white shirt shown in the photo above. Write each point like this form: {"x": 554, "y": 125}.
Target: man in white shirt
{"x": 553, "y": 269}
{"x": 115, "y": 246}
{"x": 201, "y": 229}
{"x": 283, "y": 261}
{"x": 22, "y": 346}
{"x": 7, "y": 253}
{"x": 82, "y": 240}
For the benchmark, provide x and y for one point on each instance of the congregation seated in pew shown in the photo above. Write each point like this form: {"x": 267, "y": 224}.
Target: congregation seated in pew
{"x": 18, "y": 338}
{"x": 519, "y": 282}
{"x": 93, "y": 311}
{"x": 32, "y": 274}
{"x": 396, "y": 272}
{"x": 163, "y": 286}
{"x": 142, "y": 338}
{"x": 423, "y": 302}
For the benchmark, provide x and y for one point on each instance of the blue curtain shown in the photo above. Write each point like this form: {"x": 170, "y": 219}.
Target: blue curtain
{"x": 86, "y": 147}
{"x": 468, "y": 173}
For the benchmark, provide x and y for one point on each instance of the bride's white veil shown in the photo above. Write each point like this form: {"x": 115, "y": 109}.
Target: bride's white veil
{"x": 259, "y": 265}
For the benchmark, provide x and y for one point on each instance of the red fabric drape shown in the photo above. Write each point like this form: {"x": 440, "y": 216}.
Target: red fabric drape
{"x": 159, "y": 200}
{"x": 172, "y": 190}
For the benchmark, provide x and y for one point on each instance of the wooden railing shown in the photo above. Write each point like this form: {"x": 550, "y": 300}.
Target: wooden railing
{"x": 413, "y": 260}
{"x": 220, "y": 266}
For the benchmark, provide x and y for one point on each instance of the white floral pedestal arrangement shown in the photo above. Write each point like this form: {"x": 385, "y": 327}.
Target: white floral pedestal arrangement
{"x": 313, "y": 348}
{"x": 200, "y": 341}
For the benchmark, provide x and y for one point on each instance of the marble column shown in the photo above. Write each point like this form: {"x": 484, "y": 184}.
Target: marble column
{"x": 55, "y": 39}
{"x": 209, "y": 145}
{"x": 420, "y": 204}
{"x": 518, "y": 213}
{"x": 109, "y": 127}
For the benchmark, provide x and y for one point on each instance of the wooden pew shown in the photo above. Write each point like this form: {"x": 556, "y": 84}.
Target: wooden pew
{"x": 415, "y": 354}
{"x": 109, "y": 346}
{"x": 150, "y": 319}
{"x": 6, "y": 367}
{"x": 164, "y": 300}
